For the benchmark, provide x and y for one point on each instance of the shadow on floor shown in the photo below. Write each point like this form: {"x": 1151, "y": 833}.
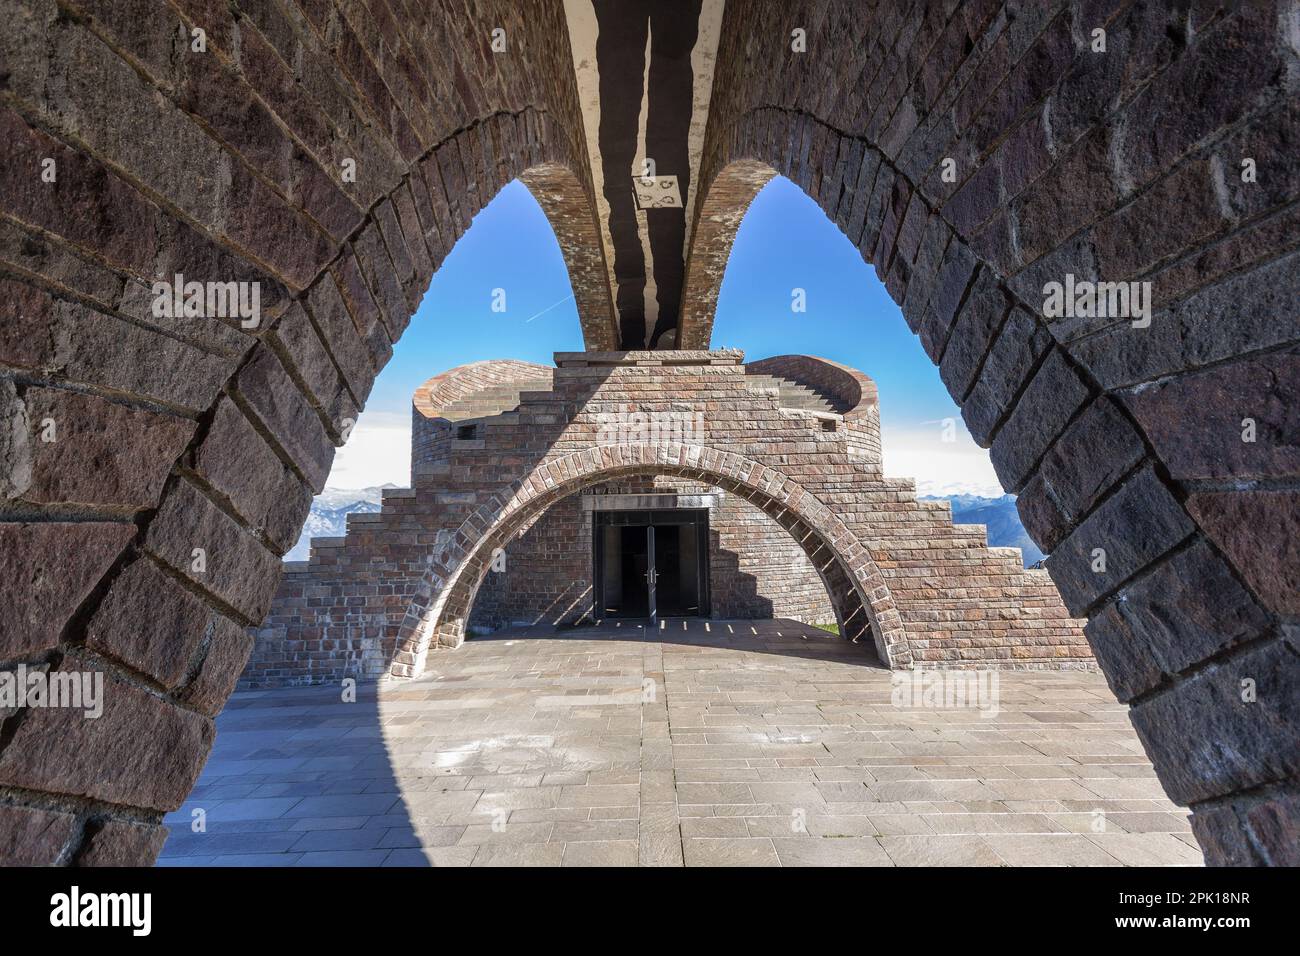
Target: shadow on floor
{"x": 301, "y": 777}
{"x": 784, "y": 638}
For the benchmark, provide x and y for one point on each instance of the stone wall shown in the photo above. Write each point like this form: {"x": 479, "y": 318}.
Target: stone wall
{"x": 974, "y": 154}
{"x": 133, "y": 153}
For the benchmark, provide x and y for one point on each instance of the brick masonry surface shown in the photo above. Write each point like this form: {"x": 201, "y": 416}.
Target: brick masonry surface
{"x": 972, "y": 152}
{"x": 898, "y": 575}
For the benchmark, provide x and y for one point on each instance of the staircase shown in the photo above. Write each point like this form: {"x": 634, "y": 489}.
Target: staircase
{"x": 793, "y": 395}
{"x": 492, "y": 401}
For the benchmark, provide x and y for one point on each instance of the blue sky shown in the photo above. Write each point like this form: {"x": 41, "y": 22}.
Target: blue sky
{"x": 785, "y": 242}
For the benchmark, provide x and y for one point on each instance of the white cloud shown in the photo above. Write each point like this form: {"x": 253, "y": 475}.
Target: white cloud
{"x": 940, "y": 467}
{"x": 378, "y": 452}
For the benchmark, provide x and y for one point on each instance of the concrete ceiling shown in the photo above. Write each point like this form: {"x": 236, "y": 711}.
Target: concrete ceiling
{"x": 644, "y": 70}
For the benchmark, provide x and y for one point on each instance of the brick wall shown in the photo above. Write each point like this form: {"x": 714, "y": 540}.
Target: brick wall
{"x": 373, "y": 601}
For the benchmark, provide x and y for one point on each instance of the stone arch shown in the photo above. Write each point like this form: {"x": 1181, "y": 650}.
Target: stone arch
{"x": 1110, "y": 167}
{"x": 568, "y": 207}
{"x": 857, "y": 589}
{"x": 989, "y": 158}
{"x": 726, "y": 200}
{"x": 333, "y": 172}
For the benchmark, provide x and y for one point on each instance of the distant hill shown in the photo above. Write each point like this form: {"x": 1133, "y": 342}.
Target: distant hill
{"x": 999, "y": 516}
{"x": 329, "y": 514}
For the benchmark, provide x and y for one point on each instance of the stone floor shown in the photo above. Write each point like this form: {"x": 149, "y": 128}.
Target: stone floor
{"x": 742, "y": 743}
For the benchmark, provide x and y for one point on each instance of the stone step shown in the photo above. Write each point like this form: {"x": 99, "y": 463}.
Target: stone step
{"x": 796, "y": 395}
{"x": 494, "y": 400}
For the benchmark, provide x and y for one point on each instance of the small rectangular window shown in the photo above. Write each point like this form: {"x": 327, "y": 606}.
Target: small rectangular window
{"x": 467, "y": 432}
{"x": 828, "y": 424}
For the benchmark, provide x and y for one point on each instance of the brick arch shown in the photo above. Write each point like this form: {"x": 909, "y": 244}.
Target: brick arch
{"x": 309, "y": 150}
{"x": 857, "y": 590}
{"x": 572, "y": 216}
{"x": 1120, "y": 437}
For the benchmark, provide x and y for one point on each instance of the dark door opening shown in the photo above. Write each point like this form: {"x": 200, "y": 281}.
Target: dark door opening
{"x": 650, "y": 564}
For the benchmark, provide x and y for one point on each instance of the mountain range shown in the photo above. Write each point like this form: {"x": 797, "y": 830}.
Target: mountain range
{"x": 329, "y": 512}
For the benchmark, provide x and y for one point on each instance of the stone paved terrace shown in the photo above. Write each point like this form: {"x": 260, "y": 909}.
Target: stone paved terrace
{"x": 539, "y": 749}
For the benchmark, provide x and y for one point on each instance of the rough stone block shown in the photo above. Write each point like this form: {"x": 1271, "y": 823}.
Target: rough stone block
{"x": 1047, "y": 404}
{"x": 46, "y": 570}
{"x": 382, "y": 278}
{"x": 32, "y": 836}
{"x": 1229, "y": 727}
{"x": 342, "y": 336}
{"x": 973, "y": 334}
{"x": 79, "y": 344}
{"x": 236, "y": 567}
{"x": 1259, "y": 531}
{"x": 1199, "y": 422}
{"x": 325, "y": 389}
{"x": 142, "y": 751}
{"x": 121, "y": 843}
{"x": 285, "y": 413}
{"x": 1127, "y": 532}
{"x": 1092, "y": 454}
{"x": 954, "y": 278}
{"x": 239, "y": 464}
{"x": 161, "y": 643}
{"x": 1248, "y": 311}
{"x": 227, "y": 654}
{"x": 99, "y": 452}
{"x": 1187, "y": 610}
{"x": 1016, "y": 351}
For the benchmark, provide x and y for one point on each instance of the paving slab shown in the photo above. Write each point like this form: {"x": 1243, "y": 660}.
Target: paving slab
{"x": 767, "y": 743}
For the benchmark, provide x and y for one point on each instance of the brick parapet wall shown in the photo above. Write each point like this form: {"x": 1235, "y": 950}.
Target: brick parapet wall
{"x": 431, "y": 433}
{"x": 853, "y": 392}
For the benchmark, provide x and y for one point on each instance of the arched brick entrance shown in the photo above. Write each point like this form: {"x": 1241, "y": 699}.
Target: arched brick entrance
{"x": 857, "y": 590}
{"x": 973, "y": 153}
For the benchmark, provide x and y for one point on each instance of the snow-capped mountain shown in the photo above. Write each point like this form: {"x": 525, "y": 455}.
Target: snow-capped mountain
{"x": 329, "y": 513}
{"x": 999, "y": 516}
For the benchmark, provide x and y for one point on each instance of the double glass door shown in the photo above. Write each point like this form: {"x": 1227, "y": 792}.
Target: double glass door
{"x": 651, "y": 564}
